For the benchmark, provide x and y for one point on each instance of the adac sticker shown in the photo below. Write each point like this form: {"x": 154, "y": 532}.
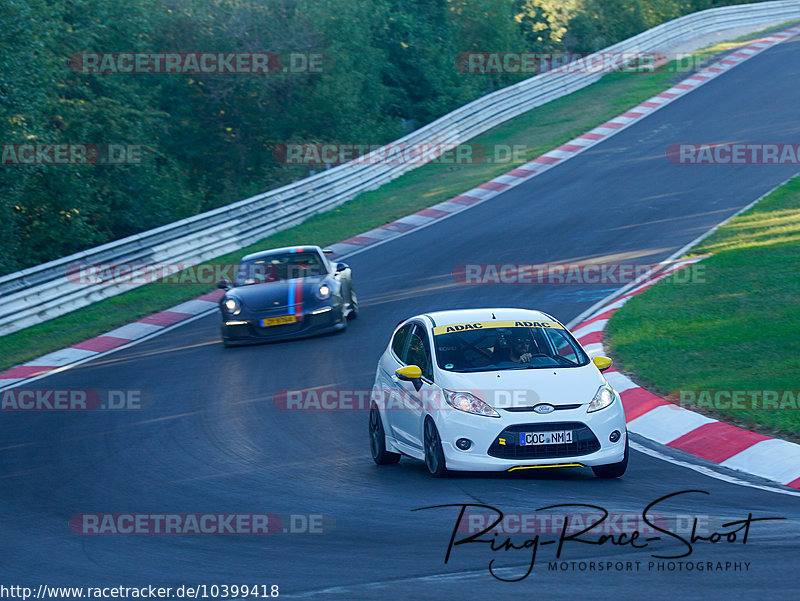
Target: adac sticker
{"x": 485, "y": 325}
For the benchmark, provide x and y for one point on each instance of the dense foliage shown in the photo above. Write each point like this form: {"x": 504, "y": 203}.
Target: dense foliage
{"x": 388, "y": 67}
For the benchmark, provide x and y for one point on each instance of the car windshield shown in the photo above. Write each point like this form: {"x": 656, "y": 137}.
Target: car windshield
{"x": 283, "y": 266}
{"x": 501, "y": 345}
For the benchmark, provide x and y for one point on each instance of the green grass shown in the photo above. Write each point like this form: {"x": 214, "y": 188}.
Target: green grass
{"x": 536, "y": 131}
{"x": 740, "y": 330}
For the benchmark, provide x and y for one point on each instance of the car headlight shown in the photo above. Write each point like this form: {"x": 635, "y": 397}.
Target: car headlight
{"x": 232, "y": 305}
{"x": 602, "y": 399}
{"x": 324, "y": 292}
{"x": 464, "y": 401}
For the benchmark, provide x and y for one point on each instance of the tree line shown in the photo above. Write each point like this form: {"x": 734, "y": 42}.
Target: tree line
{"x": 90, "y": 157}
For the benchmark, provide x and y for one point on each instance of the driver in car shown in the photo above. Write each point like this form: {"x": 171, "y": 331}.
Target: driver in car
{"x": 520, "y": 349}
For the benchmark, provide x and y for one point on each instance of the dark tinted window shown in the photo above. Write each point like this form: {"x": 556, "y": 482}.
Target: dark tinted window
{"x": 399, "y": 341}
{"x": 285, "y": 266}
{"x": 563, "y": 345}
{"x": 494, "y": 348}
{"x": 419, "y": 352}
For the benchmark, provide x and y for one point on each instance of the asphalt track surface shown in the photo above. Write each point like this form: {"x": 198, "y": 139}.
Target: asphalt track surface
{"x": 213, "y": 441}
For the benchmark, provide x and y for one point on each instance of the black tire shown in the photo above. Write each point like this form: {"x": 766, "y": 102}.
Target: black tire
{"x": 377, "y": 440}
{"x": 613, "y": 470}
{"x": 434, "y": 455}
{"x": 353, "y": 304}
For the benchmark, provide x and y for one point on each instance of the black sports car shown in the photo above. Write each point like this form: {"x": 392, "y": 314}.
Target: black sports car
{"x": 286, "y": 293}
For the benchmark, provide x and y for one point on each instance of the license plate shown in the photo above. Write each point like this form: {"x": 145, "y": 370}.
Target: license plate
{"x": 277, "y": 321}
{"x": 534, "y": 438}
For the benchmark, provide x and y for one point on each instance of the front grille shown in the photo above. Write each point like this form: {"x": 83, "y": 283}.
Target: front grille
{"x": 555, "y": 408}
{"x": 273, "y": 311}
{"x": 584, "y": 442}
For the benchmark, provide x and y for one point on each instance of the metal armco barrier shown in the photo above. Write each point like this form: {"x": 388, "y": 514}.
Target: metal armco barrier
{"x": 40, "y": 293}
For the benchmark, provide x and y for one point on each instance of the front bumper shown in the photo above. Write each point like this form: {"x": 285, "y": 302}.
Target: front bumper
{"x": 592, "y": 446}
{"x": 242, "y": 330}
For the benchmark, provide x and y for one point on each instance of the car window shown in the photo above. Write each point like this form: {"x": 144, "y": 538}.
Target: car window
{"x": 418, "y": 352}
{"x": 496, "y": 345}
{"x": 399, "y": 340}
{"x": 563, "y": 345}
{"x": 281, "y": 266}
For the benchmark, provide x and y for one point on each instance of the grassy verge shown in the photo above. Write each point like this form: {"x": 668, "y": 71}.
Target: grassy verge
{"x": 739, "y": 330}
{"x": 536, "y": 131}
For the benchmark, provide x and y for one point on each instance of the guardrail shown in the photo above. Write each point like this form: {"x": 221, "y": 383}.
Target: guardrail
{"x": 40, "y": 293}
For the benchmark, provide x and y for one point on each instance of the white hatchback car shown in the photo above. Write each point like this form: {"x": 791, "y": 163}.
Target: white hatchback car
{"x": 494, "y": 390}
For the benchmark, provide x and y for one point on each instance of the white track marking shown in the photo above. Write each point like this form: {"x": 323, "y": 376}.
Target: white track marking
{"x": 701, "y": 469}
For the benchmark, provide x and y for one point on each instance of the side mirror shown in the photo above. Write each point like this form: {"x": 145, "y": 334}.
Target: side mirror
{"x": 327, "y": 251}
{"x": 410, "y": 373}
{"x": 602, "y": 363}
{"x": 341, "y": 267}
{"x": 223, "y": 285}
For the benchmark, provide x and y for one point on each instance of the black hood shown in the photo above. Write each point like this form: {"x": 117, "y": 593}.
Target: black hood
{"x": 260, "y": 297}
